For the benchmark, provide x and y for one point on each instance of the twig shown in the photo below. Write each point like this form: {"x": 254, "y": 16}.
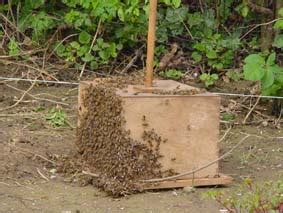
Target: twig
{"x": 225, "y": 134}
{"x": 259, "y": 25}
{"x": 37, "y": 98}
{"x": 43, "y": 176}
{"x": 174, "y": 177}
{"x": 259, "y": 9}
{"x": 90, "y": 174}
{"x": 133, "y": 60}
{"x": 279, "y": 118}
{"x": 9, "y": 22}
{"x": 251, "y": 110}
{"x": 17, "y": 183}
{"x": 20, "y": 115}
{"x": 91, "y": 46}
{"x": 4, "y": 183}
{"x": 24, "y": 94}
{"x": 29, "y": 66}
{"x": 30, "y": 52}
{"x": 35, "y": 154}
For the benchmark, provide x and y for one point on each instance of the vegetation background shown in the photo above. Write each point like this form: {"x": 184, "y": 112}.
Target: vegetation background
{"x": 206, "y": 40}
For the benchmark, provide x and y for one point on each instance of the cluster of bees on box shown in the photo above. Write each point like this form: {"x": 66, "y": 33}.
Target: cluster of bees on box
{"x": 105, "y": 146}
{"x": 178, "y": 91}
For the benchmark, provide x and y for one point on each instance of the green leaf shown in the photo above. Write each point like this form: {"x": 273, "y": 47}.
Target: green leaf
{"x": 121, "y": 14}
{"x": 196, "y": 56}
{"x": 277, "y": 72}
{"x": 245, "y": 11}
{"x": 176, "y": 3}
{"x": 278, "y": 41}
{"x": 82, "y": 50}
{"x": 211, "y": 54}
{"x": 88, "y": 57}
{"x": 271, "y": 59}
{"x": 200, "y": 47}
{"x": 255, "y": 58}
{"x": 208, "y": 79}
{"x": 75, "y": 45}
{"x": 172, "y": 74}
{"x": 272, "y": 90}
{"x": 13, "y": 47}
{"x": 280, "y": 12}
{"x": 218, "y": 66}
{"x": 253, "y": 72}
{"x": 254, "y": 69}
{"x": 278, "y": 25}
{"x": 268, "y": 79}
{"x": 84, "y": 37}
{"x": 214, "y": 76}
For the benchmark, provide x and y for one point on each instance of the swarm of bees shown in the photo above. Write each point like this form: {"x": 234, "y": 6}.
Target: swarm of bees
{"x": 107, "y": 148}
{"x": 179, "y": 92}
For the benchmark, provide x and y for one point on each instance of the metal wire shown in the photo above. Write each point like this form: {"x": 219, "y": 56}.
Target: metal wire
{"x": 39, "y": 81}
{"x": 76, "y": 83}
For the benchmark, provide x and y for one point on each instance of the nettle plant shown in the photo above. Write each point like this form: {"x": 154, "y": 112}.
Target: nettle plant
{"x": 264, "y": 69}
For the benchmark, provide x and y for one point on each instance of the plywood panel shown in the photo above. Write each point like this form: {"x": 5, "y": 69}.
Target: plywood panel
{"x": 190, "y": 123}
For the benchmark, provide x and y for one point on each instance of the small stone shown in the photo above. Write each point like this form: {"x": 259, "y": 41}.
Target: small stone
{"x": 189, "y": 189}
{"x": 265, "y": 123}
{"x": 53, "y": 171}
{"x": 175, "y": 193}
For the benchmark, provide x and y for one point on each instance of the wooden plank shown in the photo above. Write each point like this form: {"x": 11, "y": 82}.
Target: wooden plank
{"x": 222, "y": 180}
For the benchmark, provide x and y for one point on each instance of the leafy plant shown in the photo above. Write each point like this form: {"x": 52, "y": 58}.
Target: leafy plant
{"x": 57, "y": 117}
{"x": 208, "y": 79}
{"x": 234, "y": 75}
{"x": 13, "y": 47}
{"x": 278, "y": 40}
{"x": 172, "y": 74}
{"x": 251, "y": 197}
{"x": 228, "y": 116}
{"x": 219, "y": 51}
{"x": 264, "y": 69}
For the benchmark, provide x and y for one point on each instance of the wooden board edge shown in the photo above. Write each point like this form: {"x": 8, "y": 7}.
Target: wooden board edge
{"x": 222, "y": 180}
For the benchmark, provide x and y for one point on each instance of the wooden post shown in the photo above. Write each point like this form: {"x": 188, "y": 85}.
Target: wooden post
{"x": 150, "y": 43}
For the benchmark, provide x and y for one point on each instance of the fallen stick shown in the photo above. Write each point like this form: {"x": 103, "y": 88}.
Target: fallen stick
{"x": 43, "y": 176}
{"x": 18, "y": 101}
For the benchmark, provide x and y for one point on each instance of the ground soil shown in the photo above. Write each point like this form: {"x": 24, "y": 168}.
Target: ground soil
{"x": 29, "y": 183}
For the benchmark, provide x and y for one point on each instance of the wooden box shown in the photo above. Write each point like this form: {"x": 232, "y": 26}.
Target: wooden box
{"x": 190, "y": 123}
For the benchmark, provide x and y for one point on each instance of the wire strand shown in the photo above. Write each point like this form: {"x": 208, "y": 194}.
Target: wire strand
{"x": 76, "y": 83}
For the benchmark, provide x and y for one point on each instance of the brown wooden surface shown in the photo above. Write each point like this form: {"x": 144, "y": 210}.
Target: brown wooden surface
{"x": 189, "y": 123}
{"x": 222, "y": 180}
{"x": 150, "y": 42}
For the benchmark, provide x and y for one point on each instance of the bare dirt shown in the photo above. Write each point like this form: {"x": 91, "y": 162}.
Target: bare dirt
{"x": 29, "y": 145}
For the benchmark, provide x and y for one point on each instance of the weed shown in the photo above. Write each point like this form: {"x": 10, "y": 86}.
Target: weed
{"x": 172, "y": 74}
{"x": 251, "y": 197}
{"x": 264, "y": 69}
{"x": 228, "y": 116}
{"x": 57, "y": 117}
{"x": 208, "y": 79}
